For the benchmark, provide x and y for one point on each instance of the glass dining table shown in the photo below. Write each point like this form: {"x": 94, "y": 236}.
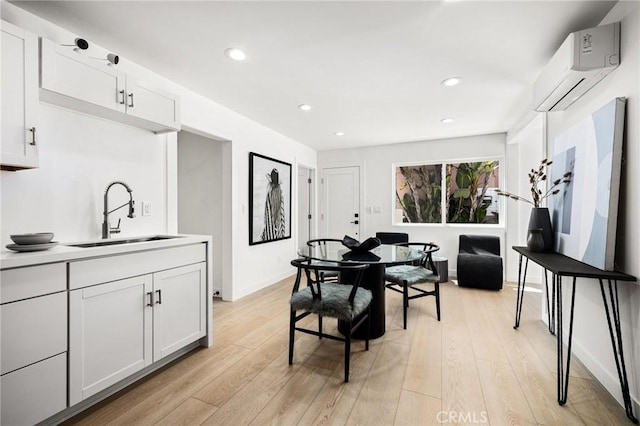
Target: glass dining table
{"x": 373, "y": 278}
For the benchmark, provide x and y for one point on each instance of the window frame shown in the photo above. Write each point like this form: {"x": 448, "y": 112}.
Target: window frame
{"x": 444, "y": 193}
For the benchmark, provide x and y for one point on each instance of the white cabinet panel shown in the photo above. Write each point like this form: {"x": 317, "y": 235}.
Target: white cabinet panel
{"x": 19, "y": 94}
{"x": 179, "y": 312}
{"x": 110, "y": 334}
{"x": 152, "y": 104}
{"x": 32, "y": 330}
{"x": 34, "y": 393}
{"x": 110, "y": 268}
{"x": 32, "y": 281}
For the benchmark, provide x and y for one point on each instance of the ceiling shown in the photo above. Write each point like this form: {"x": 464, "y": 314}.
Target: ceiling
{"x": 372, "y": 70}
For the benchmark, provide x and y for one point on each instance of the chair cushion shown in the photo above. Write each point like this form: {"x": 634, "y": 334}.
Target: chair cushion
{"x": 411, "y": 274}
{"x": 334, "y": 302}
{"x": 479, "y": 271}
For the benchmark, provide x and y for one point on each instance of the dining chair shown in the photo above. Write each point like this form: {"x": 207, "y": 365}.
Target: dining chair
{"x": 347, "y": 302}
{"x": 401, "y": 278}
{"x": 321, "y": 245}
{"x": 392, "y": 237}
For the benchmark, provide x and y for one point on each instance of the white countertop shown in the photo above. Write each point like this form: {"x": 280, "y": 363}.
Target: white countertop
{"x": 63, "y": 252}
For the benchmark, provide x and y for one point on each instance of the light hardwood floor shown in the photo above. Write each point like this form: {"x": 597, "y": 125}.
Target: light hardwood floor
{"x": 470, "y": 368}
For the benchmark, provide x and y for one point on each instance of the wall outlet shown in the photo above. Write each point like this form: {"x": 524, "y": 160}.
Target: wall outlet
{"x": 146, "y": 208}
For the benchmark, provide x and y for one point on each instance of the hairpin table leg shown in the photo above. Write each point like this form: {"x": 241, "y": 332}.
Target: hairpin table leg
{"x": 616, "y": 343}
{"x": 563, "y": 373}
{"x": 520, "y": 296}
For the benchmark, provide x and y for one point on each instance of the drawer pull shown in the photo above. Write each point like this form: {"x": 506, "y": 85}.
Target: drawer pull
{"x": 33, "y": 136}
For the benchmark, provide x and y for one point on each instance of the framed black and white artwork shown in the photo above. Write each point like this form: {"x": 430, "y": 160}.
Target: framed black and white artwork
{"x": 269, "y": 199}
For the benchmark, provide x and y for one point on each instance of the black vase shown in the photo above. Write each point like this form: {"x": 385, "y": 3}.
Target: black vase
{"x": 540, "y": 220}
{"x": 535, "y": 242}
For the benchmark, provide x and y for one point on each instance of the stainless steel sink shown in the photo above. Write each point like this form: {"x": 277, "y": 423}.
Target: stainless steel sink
{"x": 104, "y": 243}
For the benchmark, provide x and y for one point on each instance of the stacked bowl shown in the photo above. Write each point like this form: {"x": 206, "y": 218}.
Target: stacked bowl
{"x": 32, "y": 242}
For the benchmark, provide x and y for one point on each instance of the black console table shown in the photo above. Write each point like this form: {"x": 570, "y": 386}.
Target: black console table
{"x": 562, "y": 266}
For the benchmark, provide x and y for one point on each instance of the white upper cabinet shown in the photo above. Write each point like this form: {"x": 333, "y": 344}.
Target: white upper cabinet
{"x": 152, "y": 104}
{"x": 19, "y": 98}
{"x": 72, "y": 79}
{"x": 71, "y": 73}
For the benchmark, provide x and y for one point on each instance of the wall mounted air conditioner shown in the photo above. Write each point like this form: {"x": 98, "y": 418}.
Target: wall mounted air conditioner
{"x": 582, "y": 60}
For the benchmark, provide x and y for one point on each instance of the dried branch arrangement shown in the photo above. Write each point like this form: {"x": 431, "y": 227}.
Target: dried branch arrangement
{"x": 535, "y": 178}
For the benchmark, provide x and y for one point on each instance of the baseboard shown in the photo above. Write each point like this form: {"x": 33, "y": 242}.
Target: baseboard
{"x": 608, "y": 380}
{"x": 262, "y": 284}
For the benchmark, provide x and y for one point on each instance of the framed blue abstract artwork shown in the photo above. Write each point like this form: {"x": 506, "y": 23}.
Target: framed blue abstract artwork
{"x": 584, "y": 215}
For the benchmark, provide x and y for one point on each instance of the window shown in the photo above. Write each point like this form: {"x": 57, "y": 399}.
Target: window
{"x": 419, "y": 194}
{"x": 469, "y": 194}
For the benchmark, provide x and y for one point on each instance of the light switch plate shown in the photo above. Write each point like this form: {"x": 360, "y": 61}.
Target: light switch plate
{"x": 146, "y": 208}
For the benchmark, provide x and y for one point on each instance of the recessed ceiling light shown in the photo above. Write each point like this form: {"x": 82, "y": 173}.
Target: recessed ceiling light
{"x": 450, "y": 82}
{"x": 304, "y": 107}
{"x": 235, "y": 54}
{"x": 339, "y": 133}
{"x": 447, "y": 120}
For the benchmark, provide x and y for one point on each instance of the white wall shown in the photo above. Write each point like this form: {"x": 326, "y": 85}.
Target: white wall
{"x": 525, "y": 151}
{"x": 79, "y": 156}
{"x": 54, "y": 198}
{"x": 254, "y": 267}
{"x": 376, "y": 180}
{"x": 591, "y": 336}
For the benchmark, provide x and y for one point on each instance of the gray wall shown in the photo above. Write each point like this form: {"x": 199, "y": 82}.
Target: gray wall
{"x": 200, "y": 192}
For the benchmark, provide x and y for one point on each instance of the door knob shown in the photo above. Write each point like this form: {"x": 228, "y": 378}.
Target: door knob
{"x": 354, "y": 222}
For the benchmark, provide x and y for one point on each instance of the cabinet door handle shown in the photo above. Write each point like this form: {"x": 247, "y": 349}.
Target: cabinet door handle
{"x": 150, "y": 294}
{"x": 159, "y": 296}
{"x": 123, "y": 96}
{"x": 130, "y": 97}
{"x": 33, "y": 136}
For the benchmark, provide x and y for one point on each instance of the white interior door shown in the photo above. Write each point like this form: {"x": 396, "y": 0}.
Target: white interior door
{"x": 341, "y": 202}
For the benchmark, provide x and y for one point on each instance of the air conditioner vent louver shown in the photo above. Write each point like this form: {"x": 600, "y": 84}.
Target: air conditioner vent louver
{"x": 584, "y": 59}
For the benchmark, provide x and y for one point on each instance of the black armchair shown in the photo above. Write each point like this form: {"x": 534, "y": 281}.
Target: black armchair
{"x": 479, "y": 262}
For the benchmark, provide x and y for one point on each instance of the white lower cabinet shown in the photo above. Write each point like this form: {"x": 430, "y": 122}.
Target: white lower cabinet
{"x": 109, "y": 334}
{"x": 33, "y": 354}
{"x": 179, "y": 310}
{"x": 120, "y": 327}
{"x": 34, "y": 393}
